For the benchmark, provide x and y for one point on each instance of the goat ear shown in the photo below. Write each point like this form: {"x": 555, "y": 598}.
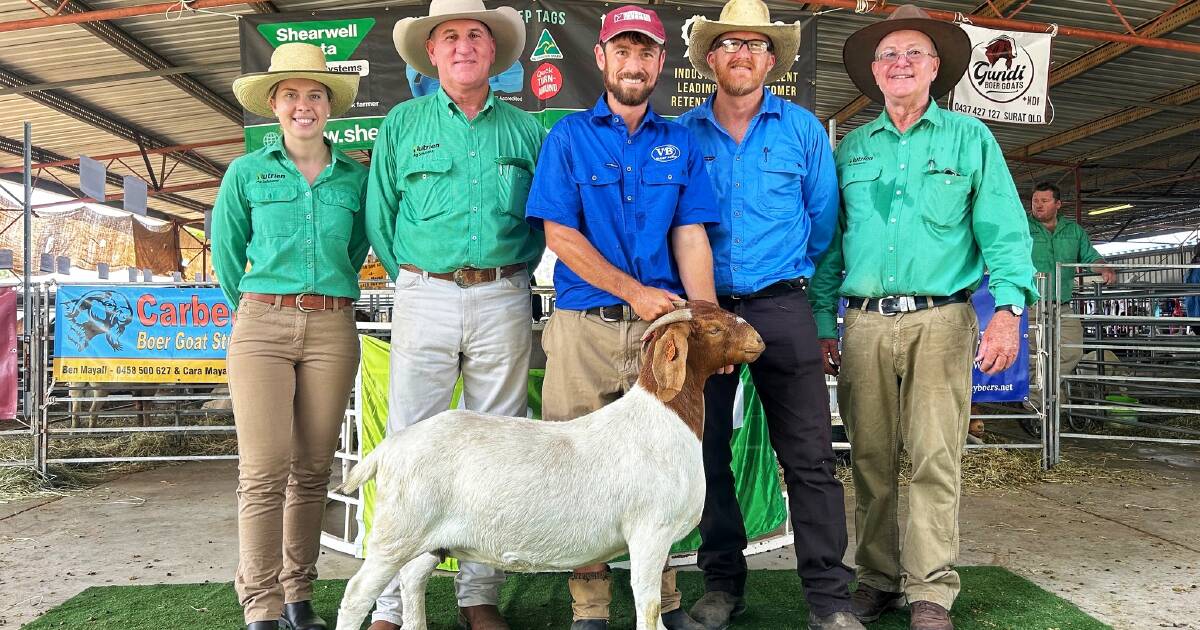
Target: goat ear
{"x": 669, "y": 361}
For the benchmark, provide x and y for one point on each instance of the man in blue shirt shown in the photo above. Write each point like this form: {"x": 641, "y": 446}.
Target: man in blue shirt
{"x": 623, "y": 197}
{"x": 776, "y": 188}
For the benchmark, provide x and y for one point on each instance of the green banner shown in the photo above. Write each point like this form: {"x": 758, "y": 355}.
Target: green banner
{"x": 756, "y": 479}
{"x": 337, "y": 38}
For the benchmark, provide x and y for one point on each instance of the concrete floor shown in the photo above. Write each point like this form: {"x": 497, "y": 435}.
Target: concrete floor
{"x": 1127, "y": 553}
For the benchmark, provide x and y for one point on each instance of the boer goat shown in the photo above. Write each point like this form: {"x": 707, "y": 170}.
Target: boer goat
{"x": 524, "y": 495}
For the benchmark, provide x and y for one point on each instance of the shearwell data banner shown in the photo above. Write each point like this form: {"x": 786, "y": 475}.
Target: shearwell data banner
{"x": 556, "y": 73}
{"x": 130, "y": 334}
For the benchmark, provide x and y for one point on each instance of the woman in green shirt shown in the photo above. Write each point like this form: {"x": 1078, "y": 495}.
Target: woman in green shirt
{"x": 291, "y": 211}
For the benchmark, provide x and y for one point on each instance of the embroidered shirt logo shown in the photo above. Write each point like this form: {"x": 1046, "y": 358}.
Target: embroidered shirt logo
{"x": 664, "y": 153}
{"x": 422, "y": 149}
{"x": 264, "y": 178}
{"x": 860, "y": 159}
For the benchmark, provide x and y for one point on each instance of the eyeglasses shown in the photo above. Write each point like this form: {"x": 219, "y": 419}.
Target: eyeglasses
{"x": 732, "y": 45}
{"x": 914, "y": 55}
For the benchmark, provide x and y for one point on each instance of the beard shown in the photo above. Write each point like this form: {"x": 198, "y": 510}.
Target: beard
{"x": 630, "y": 96}
{"x": 739, "y": 85}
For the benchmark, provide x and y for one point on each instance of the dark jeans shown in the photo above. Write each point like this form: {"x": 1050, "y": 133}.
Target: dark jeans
{"x": 791, "y": 384}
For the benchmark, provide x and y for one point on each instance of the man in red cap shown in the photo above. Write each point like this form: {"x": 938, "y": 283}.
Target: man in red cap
{"x": 623, "y": 196}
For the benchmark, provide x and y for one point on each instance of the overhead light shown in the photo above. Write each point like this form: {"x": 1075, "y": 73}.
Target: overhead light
{"x": 1124, "y": 206}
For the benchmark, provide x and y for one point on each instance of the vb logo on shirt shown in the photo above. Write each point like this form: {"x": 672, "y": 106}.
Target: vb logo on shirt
{"x": 664, "y": 153}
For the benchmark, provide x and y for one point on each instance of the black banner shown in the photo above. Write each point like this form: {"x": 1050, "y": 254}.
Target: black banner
{"x": 555, "y": 75}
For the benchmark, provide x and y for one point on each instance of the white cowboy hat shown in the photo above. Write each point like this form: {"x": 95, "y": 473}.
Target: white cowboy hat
{"x": 410, "y": 34}
{"x": 295, "y": 61}
{"x": 742, "y": 15}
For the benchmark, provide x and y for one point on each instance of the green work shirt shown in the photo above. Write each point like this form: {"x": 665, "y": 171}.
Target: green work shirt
{"x": 446, "y": 192}
{"x": 1068, "y": 243}
{"x": 922, "y": 213}
{"x": 297, "y": 238}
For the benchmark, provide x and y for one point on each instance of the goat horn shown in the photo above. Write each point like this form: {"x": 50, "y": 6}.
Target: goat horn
{"x": 681, "y": 315}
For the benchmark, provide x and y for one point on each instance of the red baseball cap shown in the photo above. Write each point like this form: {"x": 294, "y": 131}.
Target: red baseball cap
{"x": 633, "y": 19}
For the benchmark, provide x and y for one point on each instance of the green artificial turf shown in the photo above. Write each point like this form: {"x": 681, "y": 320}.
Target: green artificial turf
{"x": 992, "y": 598}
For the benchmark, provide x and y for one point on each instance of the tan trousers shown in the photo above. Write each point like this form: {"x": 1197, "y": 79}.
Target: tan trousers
{"x": 290, "y": 376}
{"x": 589, "y": 364}
{"x": 905, "y": 382}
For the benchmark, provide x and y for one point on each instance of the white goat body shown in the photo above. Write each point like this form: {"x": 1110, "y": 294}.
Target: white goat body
{"x": 525, "y": 495}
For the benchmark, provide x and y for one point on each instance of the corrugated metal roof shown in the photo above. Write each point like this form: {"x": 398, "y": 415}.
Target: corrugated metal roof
{"x": 159, "y": 108}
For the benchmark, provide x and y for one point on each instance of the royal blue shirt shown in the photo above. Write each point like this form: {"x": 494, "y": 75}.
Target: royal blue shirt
{"x": 623, "y": 193}
{"x": 777, "y": 192}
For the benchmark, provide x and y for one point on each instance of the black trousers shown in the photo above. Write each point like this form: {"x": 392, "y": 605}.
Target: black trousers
{"x": 791, "y": 384}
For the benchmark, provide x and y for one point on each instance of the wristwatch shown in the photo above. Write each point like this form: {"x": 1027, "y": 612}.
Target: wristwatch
{"x": 1011, "y": 308}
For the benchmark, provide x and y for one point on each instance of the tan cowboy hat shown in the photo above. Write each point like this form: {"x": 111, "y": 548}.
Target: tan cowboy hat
{"x": 410, "y": 34}
{"x": 742, "y": 15}
{"x": 952, "y": 44}
{"x": 295, "y": 61}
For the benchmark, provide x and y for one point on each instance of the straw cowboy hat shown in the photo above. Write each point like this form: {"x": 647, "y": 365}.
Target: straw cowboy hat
{"x": 952, "y": 44}
{"x": 410, "y": 34}
{"x": 295, "y": 61}
{"x": 742, "y": 15}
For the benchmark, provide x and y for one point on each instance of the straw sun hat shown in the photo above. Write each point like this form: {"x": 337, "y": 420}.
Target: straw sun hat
{"x": 295, "y": 61}
{"x": 410, "y": 34}
{"x": 743, "y": 15}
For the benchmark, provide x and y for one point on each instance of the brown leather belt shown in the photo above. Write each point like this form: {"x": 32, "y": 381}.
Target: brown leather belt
{"x": 470, "y": 276}
{"x": 305, "y": 302}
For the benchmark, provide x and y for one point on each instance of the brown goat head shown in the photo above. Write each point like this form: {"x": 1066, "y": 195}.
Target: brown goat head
{"x": 698, "y": 336}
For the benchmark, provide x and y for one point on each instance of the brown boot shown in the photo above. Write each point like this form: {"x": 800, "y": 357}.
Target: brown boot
{"x": 591, "y": 593}
{"x": 869, "y": 603}
{"x": 929, "y": 616}
{"x": 483, "y": 617}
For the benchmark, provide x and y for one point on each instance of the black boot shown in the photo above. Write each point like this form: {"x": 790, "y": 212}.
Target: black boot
{"x": 263, "y": 625}
{"x": 300, "y": 616}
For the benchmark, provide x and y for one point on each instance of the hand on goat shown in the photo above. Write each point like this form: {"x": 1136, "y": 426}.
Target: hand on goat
{"x": 651, "y": 303}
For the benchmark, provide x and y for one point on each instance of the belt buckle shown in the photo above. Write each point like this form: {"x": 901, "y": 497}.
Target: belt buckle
{"x": 604, "y": 314}
{"x": 300, "y": 303}
{"x": 460, "y": 278}
{"x": 904, "y": 304}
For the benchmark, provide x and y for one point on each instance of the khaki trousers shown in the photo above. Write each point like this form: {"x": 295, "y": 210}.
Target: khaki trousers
{"x": 589, "y": 364}
{"x": 290, "y": 376}
{"x": 905, "y": 382}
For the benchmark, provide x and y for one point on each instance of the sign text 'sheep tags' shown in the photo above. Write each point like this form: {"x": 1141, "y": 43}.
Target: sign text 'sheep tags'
{"x": 131, "y": 334}
{"x": 555, "y": 74}
{"x": 1006, "y": 80}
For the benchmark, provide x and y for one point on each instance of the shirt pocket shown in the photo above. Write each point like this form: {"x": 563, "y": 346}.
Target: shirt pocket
{"x": 782, "y": 183}
{"x": 662, "y": 186}
{"x": 273, "y": 210}
{"x": 516, "y": 176}
{"x": 946, "y": 198}
{"x": 858, "y": 193}
{"x": 338, "y": 205}
{"x": 429, "y": 188}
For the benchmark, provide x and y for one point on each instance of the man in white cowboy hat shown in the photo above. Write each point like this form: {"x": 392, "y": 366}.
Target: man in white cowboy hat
{"x": 773, "y": 170}
{"x": 927, "y": 203}
{"x": 450, "y": 174}
{"x": 623, "y": 197}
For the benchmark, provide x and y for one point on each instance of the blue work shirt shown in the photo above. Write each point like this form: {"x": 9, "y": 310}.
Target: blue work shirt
{"x": 777, "y": 192}
{"x": 623, "y": 193}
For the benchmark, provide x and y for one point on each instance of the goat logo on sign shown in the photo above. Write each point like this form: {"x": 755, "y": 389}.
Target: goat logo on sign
{"x": 665, "y": 153}
{"x": 98, "y": 313}
{"x": 1001, "y": 69}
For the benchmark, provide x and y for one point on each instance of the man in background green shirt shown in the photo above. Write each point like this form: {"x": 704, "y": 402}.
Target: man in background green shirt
{"x": 1057, "y": 239}
{"x": 450, "y": 175}
{"x": 927, "y": 203}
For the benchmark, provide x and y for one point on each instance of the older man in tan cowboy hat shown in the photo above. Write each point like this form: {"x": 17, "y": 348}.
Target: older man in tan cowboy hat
{"x": 446, "y": 216}
{"x": 773, "y": 170}
{"x": 927, "y": 203}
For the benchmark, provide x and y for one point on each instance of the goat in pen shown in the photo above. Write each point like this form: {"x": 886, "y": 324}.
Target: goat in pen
{"x": 525, "y": 495}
